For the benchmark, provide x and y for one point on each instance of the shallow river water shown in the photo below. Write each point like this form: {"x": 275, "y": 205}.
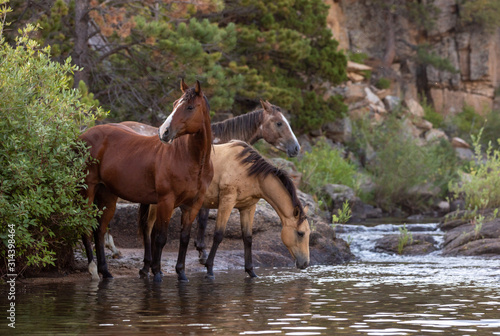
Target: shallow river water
{"x": 379, "y": 294}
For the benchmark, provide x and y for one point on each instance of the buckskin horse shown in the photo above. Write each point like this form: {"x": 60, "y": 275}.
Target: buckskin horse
{"x": 267, "y": 123}
{"x": 170, "y": 169}
{"x": 241, "y": 178}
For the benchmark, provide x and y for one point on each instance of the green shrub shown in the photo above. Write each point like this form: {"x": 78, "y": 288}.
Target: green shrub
{"x": 383, "y": 83}
{"x": 357, "y": 57}
{"x": 431, "y": 115}
{"x": 405, "y": 238}
{"x": 41, "y": 160}
{"x": 324, "y": 165}
{"x": 479, "y": 185}
{"x": 490, "y": 134}
{"x": 400, "y": 165}
{"x": 466, "y": 123}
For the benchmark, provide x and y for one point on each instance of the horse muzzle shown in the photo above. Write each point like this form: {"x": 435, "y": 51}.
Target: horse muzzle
{"x": 293, "y": 150}
{"x": 301, "y": 263}
{"x": 168, "y": 135}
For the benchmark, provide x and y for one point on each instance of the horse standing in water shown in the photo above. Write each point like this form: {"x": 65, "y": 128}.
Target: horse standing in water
{"x": 241, "y": 178}
{"x": 267, "y": 123}
{"x": 166, "y": 169}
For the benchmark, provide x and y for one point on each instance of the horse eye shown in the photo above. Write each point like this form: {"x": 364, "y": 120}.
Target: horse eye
{"x": 279, "y": 124}
{"x": 190, "y": 107}
{"x": 300, "y": 233}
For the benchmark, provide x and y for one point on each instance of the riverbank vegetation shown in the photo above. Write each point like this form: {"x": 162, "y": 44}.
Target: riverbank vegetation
{"x": 41, "y": 160}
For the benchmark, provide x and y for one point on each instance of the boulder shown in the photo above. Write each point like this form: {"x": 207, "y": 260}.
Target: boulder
{"x": 354, "y": 93}
{"x": 337, "y": 194}
{"x": 457, "y": 142}
{"x": 435, "y": 135}
{"x": 470, "y": 236}
{"x": 339, "y": 130}
{"x": 465, "y": 154}
{"x": 392, "y": 103}
{"x": 414, "y": 108}
{"x": 419, "y": 245}
{"x": 357, "y": 67}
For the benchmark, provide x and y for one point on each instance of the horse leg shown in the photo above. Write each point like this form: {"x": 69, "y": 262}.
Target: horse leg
{"x": 199, "y": 243}
{"x": 164, "y": 210}
{"x": 110, "y": 244}
{"x": 146, "y": 212}
{"x": 90, "y": 257}
{"x": 223, "y": 212}
{"x": 89, "y": 194}
{"x": 246, "y": 218}
{"x": 187, "y": 219}
{"x": 106, "y": 201}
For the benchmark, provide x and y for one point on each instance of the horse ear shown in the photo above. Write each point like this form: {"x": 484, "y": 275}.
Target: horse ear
{"x": 197, "y": 88}
{"x": 296, "y": 211}
{"x": 306, "y": 209}
{"x": 184, "y": 86}
{"x": 266, "y": 105}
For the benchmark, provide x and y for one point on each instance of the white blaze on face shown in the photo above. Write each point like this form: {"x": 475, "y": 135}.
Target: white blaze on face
{"x": 289, "y": 128}
{"x": 167, "y": 122}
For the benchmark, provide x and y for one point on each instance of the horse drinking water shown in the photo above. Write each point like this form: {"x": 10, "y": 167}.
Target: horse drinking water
{"x": 167, "y": 169}
{"x": 241, "y": 178}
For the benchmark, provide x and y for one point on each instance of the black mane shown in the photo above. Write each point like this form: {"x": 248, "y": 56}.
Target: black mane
{"x": 261, "y": 167}
{"x": 242, "y": 127}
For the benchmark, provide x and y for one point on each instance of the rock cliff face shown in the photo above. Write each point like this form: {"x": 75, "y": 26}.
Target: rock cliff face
{"x": 360, "y": 26}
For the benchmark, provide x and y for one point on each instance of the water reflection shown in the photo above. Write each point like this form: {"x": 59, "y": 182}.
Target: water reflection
{"x": 358, "y": 299}
{"x": 377, "y": 295}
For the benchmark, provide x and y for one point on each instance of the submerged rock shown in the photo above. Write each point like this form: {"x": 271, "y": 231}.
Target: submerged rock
{"x": 469, "y": 234}
{"x": 420, "y": 244}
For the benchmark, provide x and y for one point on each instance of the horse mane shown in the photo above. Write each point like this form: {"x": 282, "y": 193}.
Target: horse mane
{"x": 240, "y": 127}
{"x": 261, "y": 167}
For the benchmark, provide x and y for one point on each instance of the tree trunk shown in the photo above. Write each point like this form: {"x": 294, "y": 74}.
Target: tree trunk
{"x": 81, "y": 51}
{"x": 390, "y": 50}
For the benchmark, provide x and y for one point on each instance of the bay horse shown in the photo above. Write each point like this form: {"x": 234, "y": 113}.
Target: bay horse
{"x": 172, "y": 168}
{"x": 241, "y": 178}
{"x": 267, "y": 123}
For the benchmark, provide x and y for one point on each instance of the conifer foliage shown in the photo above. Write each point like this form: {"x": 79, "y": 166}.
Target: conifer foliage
{"x": 241, "y": 50}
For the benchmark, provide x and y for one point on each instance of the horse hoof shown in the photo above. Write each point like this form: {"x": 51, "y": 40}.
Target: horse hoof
{"x": 157, "y": 277}
{"x": 143, "y": 274}
{"x": 182, "y": 278}
{"x": 202, "y": 258}
{"x": 106, "y": 275}
{"x": 252, "y": 274}
{"x": 209, "y": 276}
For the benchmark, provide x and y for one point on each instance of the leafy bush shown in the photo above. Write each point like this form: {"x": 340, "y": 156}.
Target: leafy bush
{"x": 466, "y": 123}
{"x": 383, "y": 83}
{"x": 479, "y": 185}
{"x": 400, "y": 166}
{"x": 324, "y": 165}
{"x": 358, "y": 57}
{"x": 41, "y": 160}
{"x": 431, "y": 115}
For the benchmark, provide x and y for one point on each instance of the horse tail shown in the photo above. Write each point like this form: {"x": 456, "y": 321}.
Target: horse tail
{"x": 143, "y": 219}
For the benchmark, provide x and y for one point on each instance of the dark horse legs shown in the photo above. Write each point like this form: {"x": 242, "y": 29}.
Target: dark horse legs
{"x": 106, "y": 202}
{"x": 199, "y": 243}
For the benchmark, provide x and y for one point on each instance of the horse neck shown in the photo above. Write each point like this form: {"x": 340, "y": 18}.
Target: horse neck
{"x": 275, "y": 193}
{"x": 200, "y": 143}
{"x": 245, "y": 128}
